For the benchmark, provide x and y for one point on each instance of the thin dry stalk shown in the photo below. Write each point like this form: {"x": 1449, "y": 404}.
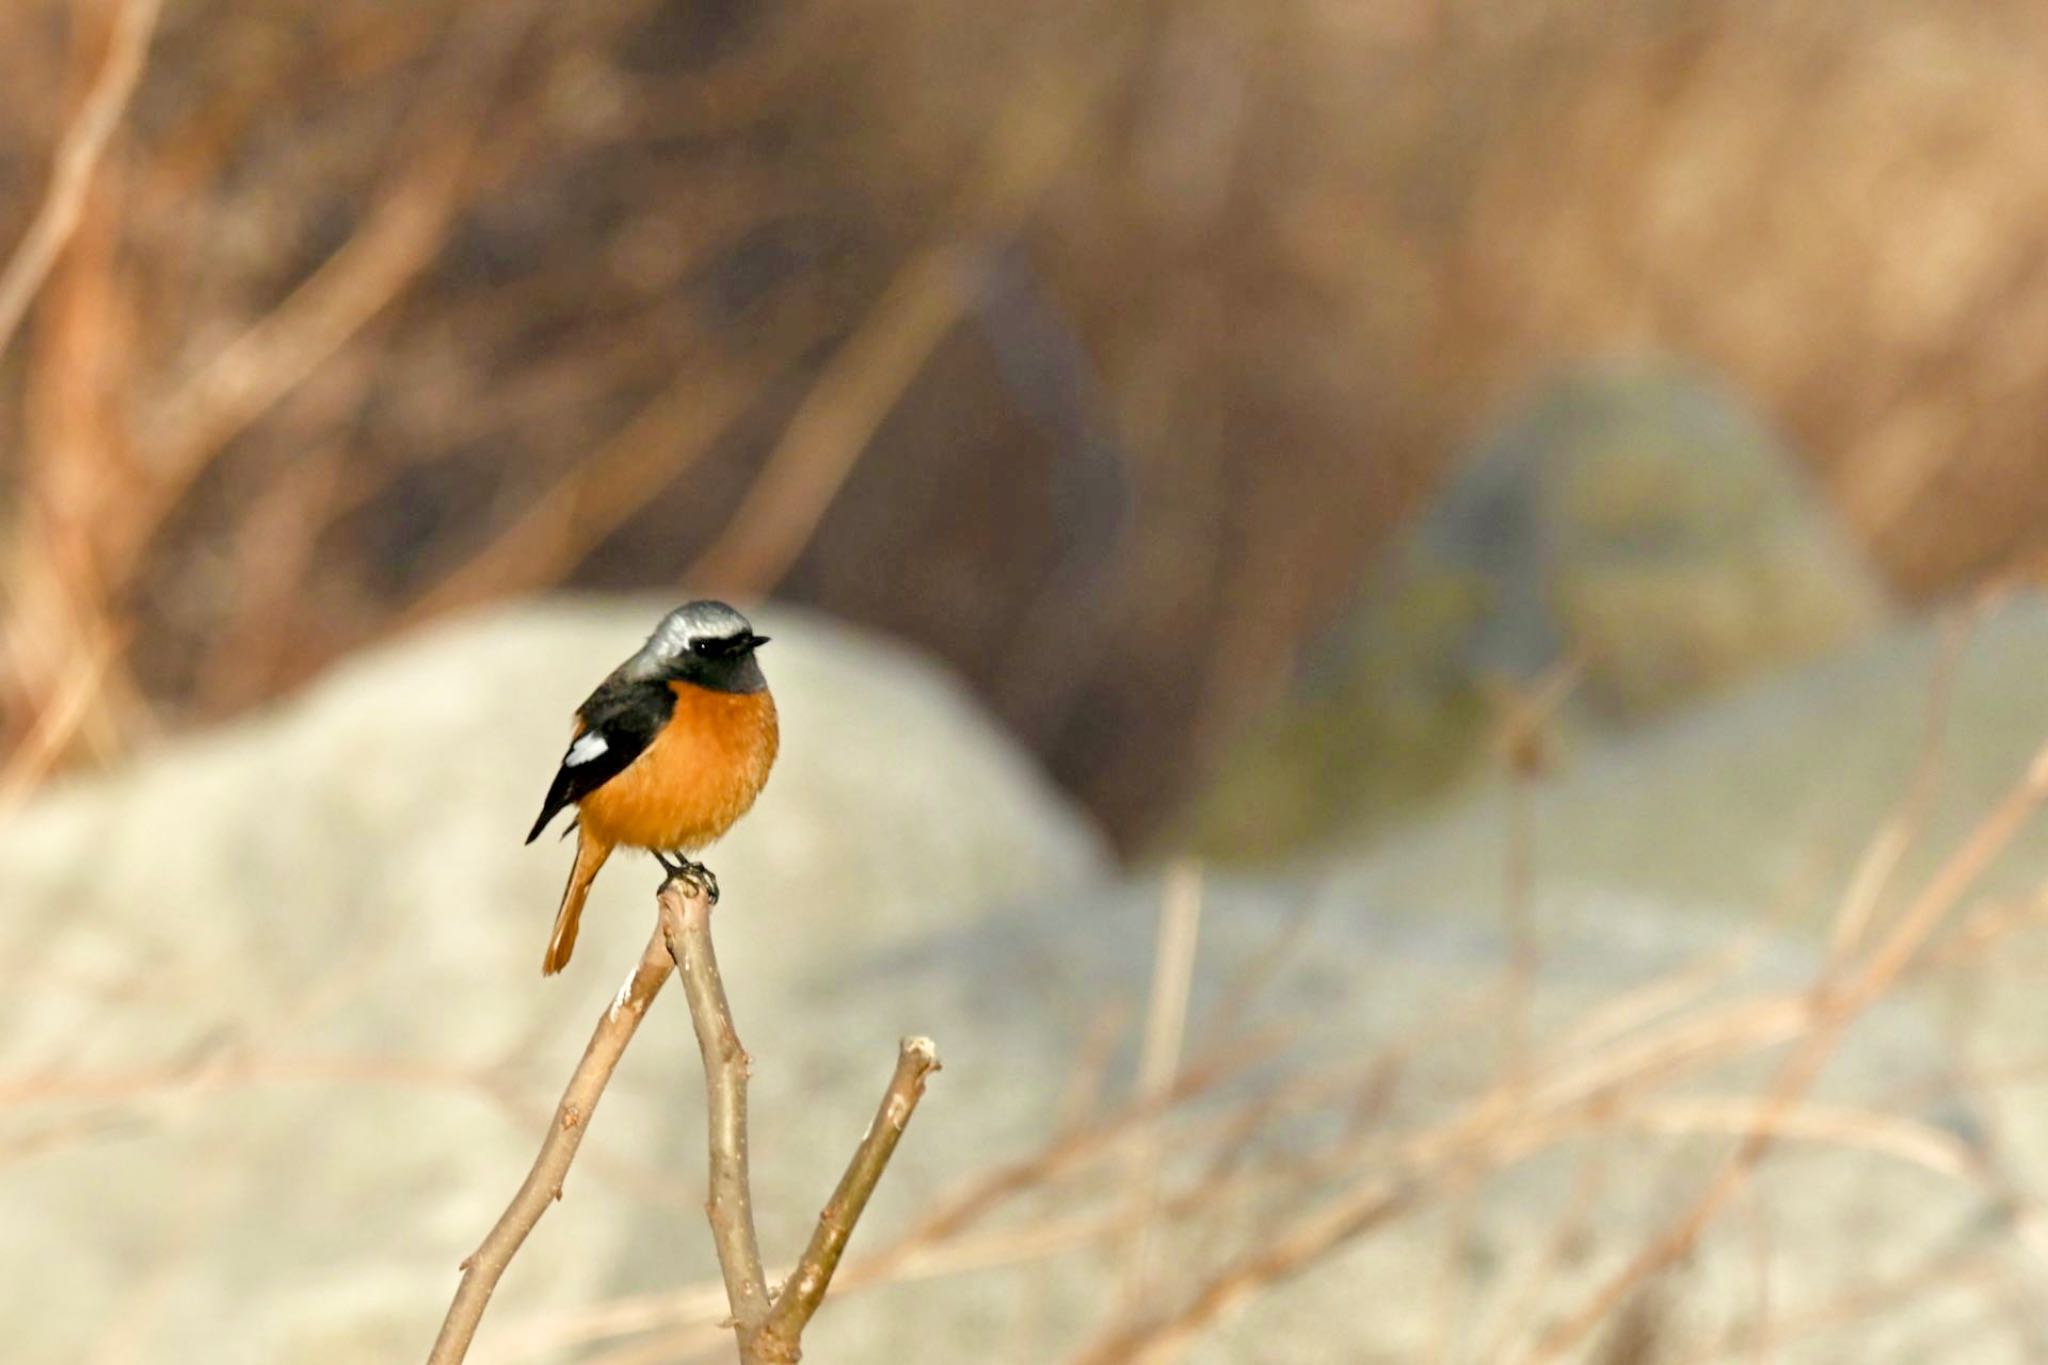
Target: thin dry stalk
{"x": 843, "y": 410}
{"x": 1863, "y": 1303}
{"x": 78, "y": 156}
{"x": 1300, "y": 1245}
{"x": 678, "y": 1314}
{"x": 1836, "y": 1008}
{"x": 1526, "y": 744}
{"x": 1249, "y": 983}
{"x": 543, "y": 1184}
{"x": 54, "y": 726}
{"x": 989, "y": 1191}
{"x": 1880, "y": 862}
{"x": 838, "y": 418}
{"x": 1660, "y": 997}
{"x": 1166, "y": 1017}
{"x": 658, "y": 446}
{"x": 395, "y": 243}
{"x": 1082, "y": 1097}
{"x": 1520, "y": 1304}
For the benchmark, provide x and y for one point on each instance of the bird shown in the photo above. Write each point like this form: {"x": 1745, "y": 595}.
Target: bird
{"x": 666, "y": 755}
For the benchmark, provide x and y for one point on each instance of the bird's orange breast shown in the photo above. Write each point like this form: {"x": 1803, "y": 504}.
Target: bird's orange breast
{"x": 701, "y": 773}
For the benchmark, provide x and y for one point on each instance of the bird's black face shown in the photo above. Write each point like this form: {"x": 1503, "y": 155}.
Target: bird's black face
{"x": 724, "y": 663}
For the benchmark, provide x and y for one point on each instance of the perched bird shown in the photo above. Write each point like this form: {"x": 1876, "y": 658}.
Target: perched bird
{"x": 666, "y": 754}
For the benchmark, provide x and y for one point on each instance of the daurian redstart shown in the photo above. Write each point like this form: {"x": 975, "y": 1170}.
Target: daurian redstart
{"x": 666, "y": 754}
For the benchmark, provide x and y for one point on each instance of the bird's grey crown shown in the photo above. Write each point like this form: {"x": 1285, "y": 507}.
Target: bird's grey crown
{"x": 705, "y": 620}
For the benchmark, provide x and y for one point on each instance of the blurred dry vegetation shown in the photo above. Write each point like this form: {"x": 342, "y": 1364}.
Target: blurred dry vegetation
{"x": 1096, "y": 346}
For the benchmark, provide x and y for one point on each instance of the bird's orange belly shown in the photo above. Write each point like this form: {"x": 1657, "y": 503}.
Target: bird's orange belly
{"x": 701, "y": 773}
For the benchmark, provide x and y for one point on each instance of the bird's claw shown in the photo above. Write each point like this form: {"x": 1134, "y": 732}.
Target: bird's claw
{"x": 694, "y": 875}
{"x": 703, "y": 879}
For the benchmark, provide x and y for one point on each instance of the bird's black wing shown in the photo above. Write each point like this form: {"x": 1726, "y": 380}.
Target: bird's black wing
{"x": 620, "y": 720}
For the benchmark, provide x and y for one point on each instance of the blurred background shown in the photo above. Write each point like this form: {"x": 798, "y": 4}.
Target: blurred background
{"x": 1097, "y": 349}
{"x": 1430, "y": 461}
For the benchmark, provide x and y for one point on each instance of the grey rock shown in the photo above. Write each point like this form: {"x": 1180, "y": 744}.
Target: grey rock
{"x": 1414, "y": 1017}
{"x": 1734, "y": 829}
{"x": 1631, "y": 517}
{"x": 1761, "y": 805}
{"x": 276, "y": 1042}
{"x": 337, "y": 965}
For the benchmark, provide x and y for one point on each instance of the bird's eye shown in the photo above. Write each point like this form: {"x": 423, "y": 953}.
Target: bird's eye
{"x": 701, "y": 647}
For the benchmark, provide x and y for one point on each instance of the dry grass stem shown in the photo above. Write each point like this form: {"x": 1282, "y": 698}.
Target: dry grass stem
{"x": 838, "y": 418}
{"x": 1837, "y": 1006}
{"x": 78, "y": 156}
{"x": 660, "y": 444}
{"x": 396, "y": 241}
{"x": 928, "y": 296}
{"x": 55, "y": 725}
{"x": 1296, "y": 1247}
{"x": 1897, "y": 836}
{"x": 1166, "y": 1017}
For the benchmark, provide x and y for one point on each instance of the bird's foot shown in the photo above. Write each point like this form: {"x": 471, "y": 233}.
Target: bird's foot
{"x": 696, "y": 875}
{"x": 703, "y": 878}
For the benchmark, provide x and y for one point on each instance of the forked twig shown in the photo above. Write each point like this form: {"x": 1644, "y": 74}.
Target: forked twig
{"x": 769, "y": 1327}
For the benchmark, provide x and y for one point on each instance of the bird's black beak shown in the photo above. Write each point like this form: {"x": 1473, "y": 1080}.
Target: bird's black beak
{"x": 751, "y": 642}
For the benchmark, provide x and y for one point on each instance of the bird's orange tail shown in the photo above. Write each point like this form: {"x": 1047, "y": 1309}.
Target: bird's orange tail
{"x": 590, "y": 856}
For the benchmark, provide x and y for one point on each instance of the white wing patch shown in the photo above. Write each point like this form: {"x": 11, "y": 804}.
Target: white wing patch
{"x": 584, "y": 749}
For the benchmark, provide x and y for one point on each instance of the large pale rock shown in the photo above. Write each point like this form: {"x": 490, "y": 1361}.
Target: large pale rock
{"x": 360, "y": 1095}
{"x": 274, "y": 1039}
{"x": 1763, "y": 808}
{"x": 1735, "y": 829}
{"x": 1406, "y": 1020}
{"x": 1631, "y": 518}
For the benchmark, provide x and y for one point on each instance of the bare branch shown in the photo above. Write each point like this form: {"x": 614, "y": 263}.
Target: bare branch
{"x": 768, "y": 1329}
{"x": 686, "y": 932}
{"x": 920, "y": 306}
{"x": 59, "y": 721}
{"x": 916, "y": 1060}
{"x": 543, "y": 1185}
{"x": 78, "y": 156}
{"x": 399, "y": 236}
{"x": 601, "y": 492}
